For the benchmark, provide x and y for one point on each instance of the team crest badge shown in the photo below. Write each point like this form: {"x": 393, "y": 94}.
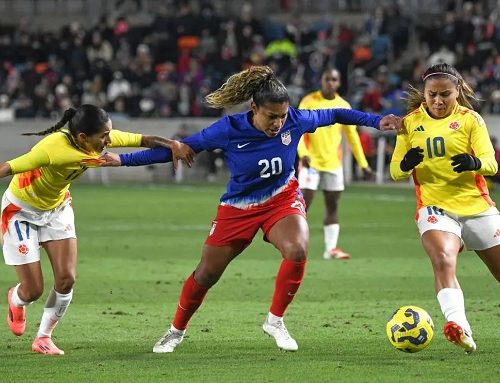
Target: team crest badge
{"x": 454, "y": 125}
{"x": 286, "y": 138}
{"x": 23, "y": 249}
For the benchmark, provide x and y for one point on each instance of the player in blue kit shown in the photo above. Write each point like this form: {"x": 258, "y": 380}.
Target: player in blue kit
{"x": 259, "y": 148}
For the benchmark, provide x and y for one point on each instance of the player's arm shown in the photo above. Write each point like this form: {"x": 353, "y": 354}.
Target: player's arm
{"x": 354, "y": 142}
{"x": 325, "y": 117}
{"x": 155, "y": 155}
{"x": 5, "y": 170}
{"x": 179, "y": 150}
{"x": 214, "y": 137}
{"x": 404, "y": 158}
{"x": 303, "y": 151}
{"x": 482, "y": 160}
{"x": 34, "y": 159}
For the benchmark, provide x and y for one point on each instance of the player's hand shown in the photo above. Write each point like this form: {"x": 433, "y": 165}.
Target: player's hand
{"x": 305, "y": 161}
{"x": 182, "y": 152}
{"x": 110, "y": 159}
{"x": 465, "y": 162}
{"x": 391, "y": 122}
{"x": 412, "y": 158}
{"x": 368, "y": 173}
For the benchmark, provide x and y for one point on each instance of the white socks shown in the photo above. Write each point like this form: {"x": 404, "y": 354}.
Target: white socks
{"x": 55, "y": 307}
{"x": 16, "y": 300}
{"x": 453, "y": 307}
{"x": 331, "y": 236}
{"x": 271, "y": 318}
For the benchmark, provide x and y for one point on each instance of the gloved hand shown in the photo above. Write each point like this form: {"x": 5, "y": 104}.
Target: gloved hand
{"x": 412, "y": 158}
{"x": 465, "y": 161}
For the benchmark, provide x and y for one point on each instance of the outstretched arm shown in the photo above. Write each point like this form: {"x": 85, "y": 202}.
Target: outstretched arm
{"x": 326, "y": 117}
{"x": 179, "y": 151}
{"x": 152, "y": 156}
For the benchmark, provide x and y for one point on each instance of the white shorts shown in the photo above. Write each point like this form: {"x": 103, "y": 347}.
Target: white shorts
{"x": 25, "y": 227}
{"x": 312, "y": 179}
{"x": 478, "y": 232}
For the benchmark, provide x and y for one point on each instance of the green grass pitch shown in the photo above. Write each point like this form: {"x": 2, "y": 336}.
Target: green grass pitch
{"x": 138, "y": 244}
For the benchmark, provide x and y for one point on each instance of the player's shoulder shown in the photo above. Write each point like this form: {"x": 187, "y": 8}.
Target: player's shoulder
{"x": 294, "y": 113}
{"x": 413, "y": 114}
{"x": 53, "y": 140}
{"x": 410, "y": 119}
{"x": 342, "y": 102}
{"x": 465, "y": 113}
{"x": 311, "y": 97}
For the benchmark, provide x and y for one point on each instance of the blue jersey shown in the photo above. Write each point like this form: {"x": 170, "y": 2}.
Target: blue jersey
{"x": 260, "y": 166}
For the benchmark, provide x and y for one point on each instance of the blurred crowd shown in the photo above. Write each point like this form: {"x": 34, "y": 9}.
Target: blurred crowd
{"x": 165, "y": 67}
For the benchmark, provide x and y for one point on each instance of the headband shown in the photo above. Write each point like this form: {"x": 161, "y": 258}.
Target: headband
{"x": 439, "y": 73}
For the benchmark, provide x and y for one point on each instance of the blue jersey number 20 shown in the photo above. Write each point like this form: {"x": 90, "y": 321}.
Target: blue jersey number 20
{"x": 271, "y": 168}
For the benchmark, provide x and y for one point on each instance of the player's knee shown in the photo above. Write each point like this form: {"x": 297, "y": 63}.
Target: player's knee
{"x": 443, "y": 262}
{"x": 295, "y": 251}
{"x": 31, "y": 293}
{"x": 207, "y": 276}
{"x": 65, "y": 283}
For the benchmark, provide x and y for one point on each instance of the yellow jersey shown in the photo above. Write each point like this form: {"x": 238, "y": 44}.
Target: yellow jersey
{"x": 43, "y": 175}
{"x": 324, "y": 145}
{"x": 436, "y": 184}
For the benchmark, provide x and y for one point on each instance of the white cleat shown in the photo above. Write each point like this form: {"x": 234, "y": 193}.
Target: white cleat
{"x": 279, "y": 332}
{"x": 169, "y": 341}
{"x": 336, "y": 253}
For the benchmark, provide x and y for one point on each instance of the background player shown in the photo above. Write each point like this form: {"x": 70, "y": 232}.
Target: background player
{"x": 320, "y": 156}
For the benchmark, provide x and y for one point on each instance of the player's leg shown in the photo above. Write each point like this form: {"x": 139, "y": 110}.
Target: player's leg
{"x": 290, "y": 235}
{"x": 232, "y": 230}
{"x": 482, "y": 233}
{"x": 332, "y": 184}
{"x": 28, "y": 290}
{"x": 214, "y": 261}
{"x": 331, "y": 227}
{"x": 21, "y": 249}
{"x": 63, "y": 258}
{"x": 58, "y": 238}
{"x": 491, "y": 258}
{"x": 443, "y": 248}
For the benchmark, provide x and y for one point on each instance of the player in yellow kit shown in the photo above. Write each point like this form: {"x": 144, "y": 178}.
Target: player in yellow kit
{"x": 320, "y": 156}
{"x": 37, "y": 211}
{"x": 445, "y": 146}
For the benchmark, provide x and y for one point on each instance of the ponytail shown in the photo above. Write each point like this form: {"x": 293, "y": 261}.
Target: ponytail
{"x": 258, "y": 83}
{"x": 67, "y": 116}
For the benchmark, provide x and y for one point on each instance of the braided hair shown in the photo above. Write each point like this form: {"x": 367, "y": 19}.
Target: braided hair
{"x": 258, "y": 83}
{"x": 87, "y": 119}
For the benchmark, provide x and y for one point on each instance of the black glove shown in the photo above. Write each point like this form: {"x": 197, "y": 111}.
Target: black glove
{"x": 412, "y": 158}
{"x": 463, "y": 162}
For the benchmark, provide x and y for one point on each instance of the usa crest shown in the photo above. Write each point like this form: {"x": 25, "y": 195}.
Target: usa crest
{"x": 286, "y": 138}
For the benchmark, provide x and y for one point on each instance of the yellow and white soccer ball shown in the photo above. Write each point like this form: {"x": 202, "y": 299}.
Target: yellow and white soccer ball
{"x": 410, "y": 329}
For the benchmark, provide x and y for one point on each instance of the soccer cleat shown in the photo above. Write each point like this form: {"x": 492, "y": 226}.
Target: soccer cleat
{"x": 16, "y": 317}
{"x": 336, "y": 253}
{"x": 45, "y": 345}
{"x": 457, "y": 335}
{"x": 169, "y": 341}
{"x": 279, "y": 332}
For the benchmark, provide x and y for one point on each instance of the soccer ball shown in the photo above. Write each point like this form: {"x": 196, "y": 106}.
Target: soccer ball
{"x": 410, "y": 329}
